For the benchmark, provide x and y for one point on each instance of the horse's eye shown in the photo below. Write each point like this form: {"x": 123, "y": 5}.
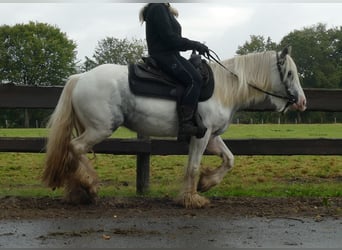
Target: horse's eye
{"x": 289, "y": 74}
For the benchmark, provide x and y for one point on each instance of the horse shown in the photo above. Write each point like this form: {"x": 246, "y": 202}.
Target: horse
{"x": 95, "y": 103}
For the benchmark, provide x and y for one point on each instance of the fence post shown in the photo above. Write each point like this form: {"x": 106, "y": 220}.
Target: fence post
{"x": 143, "y": 170}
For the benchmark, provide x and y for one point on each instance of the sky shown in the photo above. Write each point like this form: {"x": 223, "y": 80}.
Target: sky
{"x": 221, "y": 25}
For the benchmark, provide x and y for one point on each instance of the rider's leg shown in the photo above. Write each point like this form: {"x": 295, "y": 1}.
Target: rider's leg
{"x": 183, "y": 71}
{"x": 191, "y": 95}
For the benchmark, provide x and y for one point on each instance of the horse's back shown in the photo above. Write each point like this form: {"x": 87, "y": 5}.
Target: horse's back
{"x": 105, "y": 73}
{"x": 102, "y": 78}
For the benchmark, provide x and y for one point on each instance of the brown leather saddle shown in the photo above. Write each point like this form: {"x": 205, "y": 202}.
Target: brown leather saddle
{"x": 146, "y": 79}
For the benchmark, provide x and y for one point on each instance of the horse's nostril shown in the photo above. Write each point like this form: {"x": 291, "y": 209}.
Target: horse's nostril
{"x": 302, "y": 103}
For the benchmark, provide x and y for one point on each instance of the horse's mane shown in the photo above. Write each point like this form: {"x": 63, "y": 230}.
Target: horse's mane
{"x": 232, "y": 88}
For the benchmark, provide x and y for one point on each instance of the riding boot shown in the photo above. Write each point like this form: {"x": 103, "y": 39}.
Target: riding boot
{"x": 201, "y": 129}
{"x": 186, "y": 125}
{"x": 190, "y": 123}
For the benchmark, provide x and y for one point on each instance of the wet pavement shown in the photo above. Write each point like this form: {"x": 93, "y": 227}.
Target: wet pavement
{"x": 177, "y": 231}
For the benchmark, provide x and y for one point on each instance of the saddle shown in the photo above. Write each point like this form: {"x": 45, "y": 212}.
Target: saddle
{"x": 147, "y": 79}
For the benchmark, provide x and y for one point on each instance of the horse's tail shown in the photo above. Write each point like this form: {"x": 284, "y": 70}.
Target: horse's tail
{"x": 60, "y": 157}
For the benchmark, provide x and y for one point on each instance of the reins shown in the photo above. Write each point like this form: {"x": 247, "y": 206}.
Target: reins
{"x": 291, "y": 99}
{"x": 217, "y": 60}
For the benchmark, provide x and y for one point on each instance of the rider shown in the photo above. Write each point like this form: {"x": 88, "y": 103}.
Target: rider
{"x": 164, "y": 42}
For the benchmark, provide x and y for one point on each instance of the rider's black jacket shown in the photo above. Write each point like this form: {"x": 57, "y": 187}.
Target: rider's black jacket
{"x": 163, "y": 32}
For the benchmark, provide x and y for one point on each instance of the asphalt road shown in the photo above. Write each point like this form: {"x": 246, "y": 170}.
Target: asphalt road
{"x": 174, "y": 231}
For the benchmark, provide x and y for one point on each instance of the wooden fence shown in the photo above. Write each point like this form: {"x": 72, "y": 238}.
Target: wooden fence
{"x": 12, "y": 96}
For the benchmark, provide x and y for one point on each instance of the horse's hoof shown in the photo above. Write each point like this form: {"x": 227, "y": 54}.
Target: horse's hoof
{"x": 81, "y": 196}
{"x": 205, "y": 183}
{"x": 208, "y": 179}
{"x": 202, "y": 187}
{"x": 192, "y": 200}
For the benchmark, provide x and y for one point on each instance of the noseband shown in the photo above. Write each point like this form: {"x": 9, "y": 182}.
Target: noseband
{"x": 291, "y": 99}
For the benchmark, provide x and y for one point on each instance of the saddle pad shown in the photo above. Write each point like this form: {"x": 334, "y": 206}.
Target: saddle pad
{"x": 146, "y": 82}
{"x": 143, "y": 83}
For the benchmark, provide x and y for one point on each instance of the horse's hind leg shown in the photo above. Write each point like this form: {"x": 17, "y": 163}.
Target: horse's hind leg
{"x": 210, "y": 178}
{"x": 82, "y": 184}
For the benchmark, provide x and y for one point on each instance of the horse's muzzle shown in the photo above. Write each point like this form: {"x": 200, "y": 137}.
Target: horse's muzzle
{"x": 300, "y": 104}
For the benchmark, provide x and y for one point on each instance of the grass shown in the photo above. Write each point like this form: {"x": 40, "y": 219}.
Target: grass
{"x": 234, "y": 131}
{"x": 284, "y": 131}
{"x": 259, "y": 176}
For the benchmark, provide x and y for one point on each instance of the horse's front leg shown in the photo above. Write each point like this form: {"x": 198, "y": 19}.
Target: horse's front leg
{"x": 189, "y": 197}
{"x": 210, "y": 178}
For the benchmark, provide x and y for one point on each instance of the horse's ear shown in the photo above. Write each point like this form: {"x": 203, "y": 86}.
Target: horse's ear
{"x": 286, "y": 51}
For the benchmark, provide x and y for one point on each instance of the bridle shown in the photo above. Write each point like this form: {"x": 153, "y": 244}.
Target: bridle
{"x": 291, "y": 99}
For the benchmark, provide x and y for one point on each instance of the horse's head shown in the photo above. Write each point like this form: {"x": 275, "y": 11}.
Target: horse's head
{"x": 285, "y": 82}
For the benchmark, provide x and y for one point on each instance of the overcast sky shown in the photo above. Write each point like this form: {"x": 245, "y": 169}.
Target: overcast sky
{"x": 222, "y": 25}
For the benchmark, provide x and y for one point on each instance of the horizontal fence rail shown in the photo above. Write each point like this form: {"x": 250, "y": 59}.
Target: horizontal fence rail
{"x": 328, "y": 100}
{"x": 13, "y": 96}
{"x": 172, "y": 147}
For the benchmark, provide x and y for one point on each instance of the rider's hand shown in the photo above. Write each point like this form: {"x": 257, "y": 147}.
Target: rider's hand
{"x": 201, "y": 48}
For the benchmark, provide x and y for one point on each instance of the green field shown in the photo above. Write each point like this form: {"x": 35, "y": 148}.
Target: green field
{"x": 234, "y": 131}
{"x": 261, "y": 176}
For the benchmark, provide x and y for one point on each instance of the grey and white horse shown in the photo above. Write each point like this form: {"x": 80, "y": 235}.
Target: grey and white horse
{"x": 95, "y": 103}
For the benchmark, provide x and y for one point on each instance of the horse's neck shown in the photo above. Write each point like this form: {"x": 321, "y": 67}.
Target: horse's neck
{"x": 232, "y": 89}
{"x": 254, "y": 68}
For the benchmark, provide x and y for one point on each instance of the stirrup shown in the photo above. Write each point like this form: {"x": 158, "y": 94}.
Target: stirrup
{"x": 186, "y": 130}
{"x": 201, "y": 129}
{"x": 183, "y": 138}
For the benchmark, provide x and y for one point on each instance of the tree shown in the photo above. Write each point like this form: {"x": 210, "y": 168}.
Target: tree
{"x": 116, "y": 51}
{"x": 256, "y": 44}
{"x": 318, "y": 55}
{"x": 35, "y": 54}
